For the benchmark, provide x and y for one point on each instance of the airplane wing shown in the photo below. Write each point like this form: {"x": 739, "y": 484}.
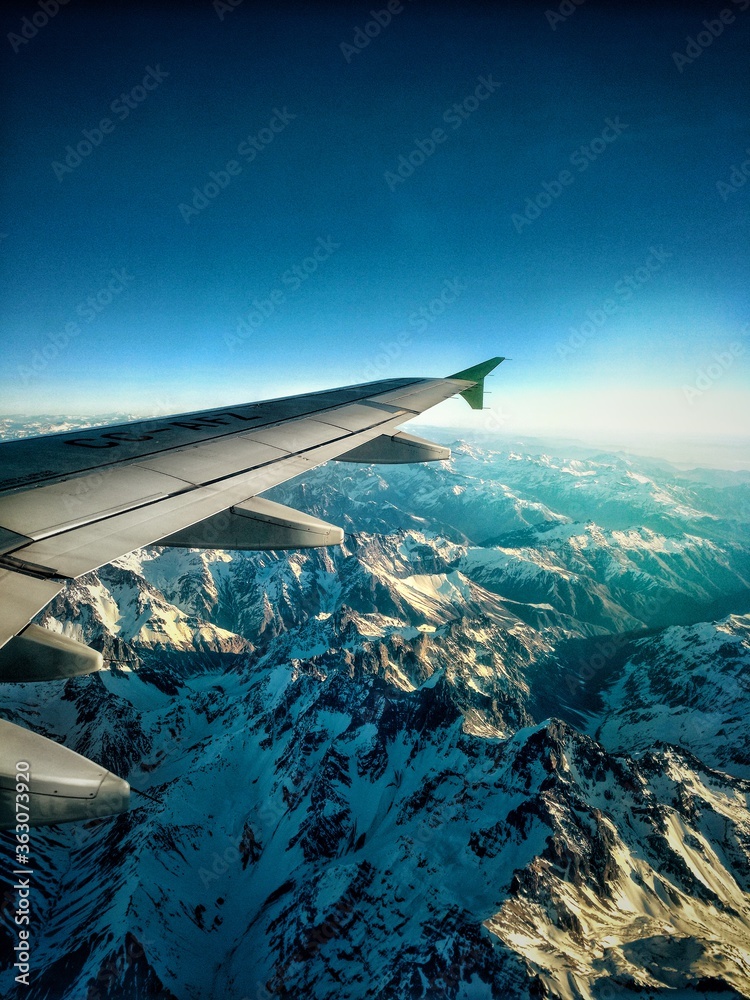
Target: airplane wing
{"x": 72, "y": 502}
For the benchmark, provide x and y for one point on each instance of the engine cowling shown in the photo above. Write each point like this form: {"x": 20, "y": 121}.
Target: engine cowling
{"x": 43, "y": 782}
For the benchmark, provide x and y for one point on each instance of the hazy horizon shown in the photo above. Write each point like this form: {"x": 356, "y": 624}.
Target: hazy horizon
{"x": 720, "y": 452}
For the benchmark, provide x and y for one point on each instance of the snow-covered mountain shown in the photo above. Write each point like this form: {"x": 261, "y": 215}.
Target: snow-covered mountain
{"x": 495, "y": 745}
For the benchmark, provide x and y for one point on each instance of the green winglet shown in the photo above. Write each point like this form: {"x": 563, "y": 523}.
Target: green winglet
{"x": 474, "y": 395}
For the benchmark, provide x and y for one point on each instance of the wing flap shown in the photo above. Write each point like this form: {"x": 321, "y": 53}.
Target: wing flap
{"x": 100, "y": 494}
{"x": 21, "y": 597}
{"x": 72, "y": 502}
{"x": 34, "y": 461}
{"x": 47, "y": 509}
{"x": 81, "y": 549}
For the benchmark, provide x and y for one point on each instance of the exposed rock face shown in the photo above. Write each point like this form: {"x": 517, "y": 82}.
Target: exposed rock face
{"x": 495, "y": 745}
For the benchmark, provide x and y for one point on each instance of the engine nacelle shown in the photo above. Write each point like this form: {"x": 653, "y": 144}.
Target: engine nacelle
{"x": 39, "y": 655}
{"x": 62, "y": 785}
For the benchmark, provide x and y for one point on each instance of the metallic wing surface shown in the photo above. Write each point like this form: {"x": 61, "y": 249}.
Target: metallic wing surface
{"x": 73, "y": 501}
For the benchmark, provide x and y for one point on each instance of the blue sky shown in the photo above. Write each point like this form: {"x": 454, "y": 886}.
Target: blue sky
{"x": 557, "y": 204}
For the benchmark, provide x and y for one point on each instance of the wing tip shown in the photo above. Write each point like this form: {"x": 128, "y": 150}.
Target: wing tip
{"x": 474, "y": 394}
{"x": 480, "y": 371}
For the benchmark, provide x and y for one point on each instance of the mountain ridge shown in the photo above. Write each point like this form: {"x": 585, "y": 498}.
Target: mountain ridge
{"x": 437, "y": 760}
